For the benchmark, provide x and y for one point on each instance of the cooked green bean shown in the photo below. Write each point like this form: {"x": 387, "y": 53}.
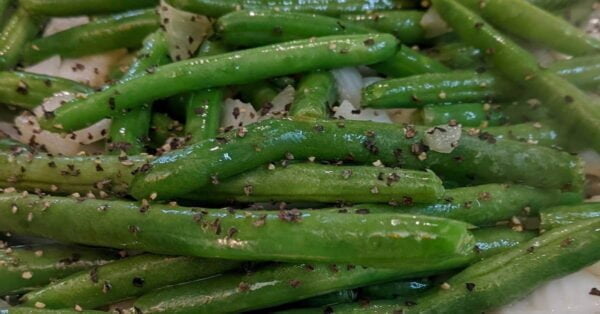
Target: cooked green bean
{"x": 17, "y": 31}
{"x": 412, "y": 243}
{"x": 129, "y": 130}
{"x": 523, "y": 111}
{"x": 123, "y": 279}
{"x": 232, "y": 68}
{"x": 559, "y": 216}
{"x": 28, "y": 90}
{"x": 517, "y": 16}
{"x": 485, "y": 205}
{"x": 476, "y": 159}
{"x": 27, "y": 310}
{"x": 315, "y": 95}
{"x": 468, "y": 115}
{"x": 570, "y": 106}
{"x": 263, "y": 288}
{"x": 542, "y": 133}
{"x": 581, "y": 71}
{"x": 457, "y": 55}
{"x": 162, "y": 128}
{"x": 493, "y": 241}
{"x": 82, "y": 7}
{"x": 23, "y": 268}
{"x": 325, "y": 7}
{"x": 120, "y": 31}
{"x": 404, "y": 24}
{"x": 395, "y": 289}
{"x": 259, "y": 94}
{"x": 203, "y": 114}
{"x": 551, "y": 4}
{"x": 4, "y": 9}
{"x": 502, "y": 278}
{"x": 338, "y": 297}
{"x": 259, "y": 28}
{"x": 409, "y": 62}
{"x": 326, "y": 184}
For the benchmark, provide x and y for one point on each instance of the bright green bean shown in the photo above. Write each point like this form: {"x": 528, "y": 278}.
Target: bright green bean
{"x": 315, "y": 95}
{"x": 559, "y": 216}
{"x": 468, "y": 115}
{"x": 404, "y": 24}
{"x": 542, "y": 133}
{"x": 232, "y": 68}
{"x": 203, "y": 114}
{"x": 409, "y": 62}
{"x": 493, "y": 241}
{"x": 457, "y": 55}
{"x": 82, "y": 7}
{"x": 123, "y": 279}
{"x": 17, "y": 31}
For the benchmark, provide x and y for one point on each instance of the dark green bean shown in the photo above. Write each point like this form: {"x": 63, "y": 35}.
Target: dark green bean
{"x": 82, "y": 7}
{"x": 258, "y": 94}
{"x": 315, "y": 95}
{"x": 555, "y": 217}
{"x": 203, "y": 114}
{"x": 338, "y": 297}
{"x": 24, "y": 268}
{"x": 17, "y": 31}
{"x": 4, "y": 10}
{"x": 27, "y": 310}
{"x": 232, "y": 68}
{"x": 394, "y": 289}
{"x": 120, "y": 31}
{"x": 123, "y": 279}
{"x": 409, "y": 62}
{"x": 404, "y": 24}
{"x": 493, "y": 241}
{"x": 457, "y": 55}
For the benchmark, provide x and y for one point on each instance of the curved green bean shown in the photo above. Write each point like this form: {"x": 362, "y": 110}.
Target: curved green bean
{"x": 120, "y": 31}
{"x": 315, "y": 95}
{"x": 82, "y": 7}
{"x": 232, "y": 68}
{"x": 24, "y": 268}
{"x": 559, "y": 216}
{"x": 495, "y": 240}
{"x": 408, "y": 62}
{"x": 17, "y": 31}
{"x": 28, "y": 90}
{"x": 217, "y": 8}
{"x": 468, "y": 115}
{"x": 123, "y": 279}
{"x": 411, "y": 243}
{"x": 404, "y": 24}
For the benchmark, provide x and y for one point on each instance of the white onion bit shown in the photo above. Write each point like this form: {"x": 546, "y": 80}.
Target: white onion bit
{"x": 442, "y": 138}
{"x": 237, "y": 114}
{"x": 280, "y": 105}
{"x": 433, "y": 24}
{"x": 349, "y": 85}
{"x": 185, "y": 31}
{"x": 347, "y": 111}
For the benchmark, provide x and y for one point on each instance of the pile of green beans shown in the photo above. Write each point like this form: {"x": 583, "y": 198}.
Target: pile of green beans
{"x": 236, "y": 180}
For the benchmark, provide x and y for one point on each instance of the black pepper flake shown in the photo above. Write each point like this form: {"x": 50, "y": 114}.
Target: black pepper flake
{"x": 112, "y": 103}
{"x": 569, "y": 99}
{"x": 94, "y": 275}
{"x": 309, "y": 267}
{"x": 295, "y": 283}
{"x": 530, "y": 249}
{"x": 293, "y": 215}
{"x": 199, "y": 111}
{"x": 470, "y": 286}
{"x": 134, "y": 229}
{"x": 410, "y": 303}
{"x": 243, "y": 287}
{"x": 99, "y": 168}
{"x": 566, "y": 242}
{"x": 595, "y": 291}
{"x": 231, "y": 232}
{"x": 248, "y": 189}
{"x": 407, "y": 200}
{"x": 484, "y": 196}
{"x": 138, "y": 282}
{"x": 488, "y": 137}
{"x": 369, "y": 42}
{"x": 362, "y": 211}
{"x": 106, "y": 287}
{"x": 328, "y": 310}
{"x": 334, "y": 268}
{"x": 479, "y": 25}
{"x": 216, "y": 226}
{"x": 392, "y": 178}
{"x": 48, "y": 83}
{"x": 369, "y": 144}
{"x": 319, "y": 128}
{"x": 22, "y": 88}
{"x": 52, "y": 164}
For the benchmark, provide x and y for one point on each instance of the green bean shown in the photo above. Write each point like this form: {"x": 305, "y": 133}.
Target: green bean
{"x": 17, "y": 31}
{"x": 120, "y": 31}
{"x": 217, "y": 8}
{"x": 10, "y": 145}
{"x": 493, "y": 241}
{"x": 162, "y": 128}
{"x": 408, "y": 62}
{"x": 4, "y": 9}
{"x": 259, "y": 28}
{"x": 27, "y": 310}
{"x": 570, "y": 106}
{"x": 523, "y": 111}
{"x": 559, "y": 216}
{"x": 405, "y": 25}
{"x": 82, "y": 7}
{"x": 263, "y": 288}
{"x": 283, "y": 81}
{"x": 24, "y": 268}
{"x": 468, "y": 115}
{"x": 543, "y": 133}
{"x": 394, "y": 289}
{"x": 315, "y": 95}
{"x": 551, "y": 4}
{"x": 581, "y": 71}
{"x": 505, "y": 277}
{"x": 476, "y": 159}
{"x": 28, "y": 90}
{"x": 203, "y": 114}
{"x": 337, "y": 297}
{"x": 412, "y": 243}
{"x": 516, "y": 16}
{"x": 233, "y": 68}
{"x": 457, "y": 55}
{"x": 485, "y": 205}
{"x": 129, "y": 130}
{"x": 259, "y": 94}
{"x": 320, "y": 183}
{"x": 123, "y": 279}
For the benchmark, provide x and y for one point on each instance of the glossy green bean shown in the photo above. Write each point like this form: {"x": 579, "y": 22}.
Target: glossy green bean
{"x": 581, "y": 71}
{"x": 325, "y": 7}
{"x": 232, "y": 68}
{"x": 408, "y": 62}
{"x": 24, "y": 268}
{"x": 129, "y": 131}
{"x": 338, "y": 297}
{"x": 523, "y": 111}
{"x": 457, "y": 55}
{"x": 485, "y": 205}
{"x": 468, "y": 115}
{"x": 258, "y": 28}
{"x": 569, "y": 106}
{"x": 326, "y": 184}
{"x": 493, "y": 241}
{"x": 516, "y": 17}
{"x": 394, "y": 289}
{"x": 559, "y": 216}
{"x": 315, "y": 95}
{"x": 404, "y": 24}
{"x": 411, "y": 243}
{"x": 263, "y": 288}
{"x": 120, "y": 31}
{"x": 28, "y": 90}
{"x": 542, "y": 133}
{"x": 17, "y": 31}
{"x": 124, "y": 279}
{"x": 203, "y": 114}
{"x": 476, "y": 159}
{"x": 82, "y": 7}
{"x": 505, "y": 277}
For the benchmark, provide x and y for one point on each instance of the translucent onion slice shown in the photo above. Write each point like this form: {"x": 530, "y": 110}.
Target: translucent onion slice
{"x": 433, "y": 24}
{"x": 237, "y": 114}
{"x": 349, "y": 85}
{"x": 347, "y": 111}
{"x": 443, "y": 138}
{"x": 185, "y": 31}
{"x": 280, "y": 105}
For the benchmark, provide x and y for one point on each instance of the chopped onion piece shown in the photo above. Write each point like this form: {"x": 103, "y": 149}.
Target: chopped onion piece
{"x": 50, "y": 66}
{"x": 346, "y": 111}
{"x": 595, "y": 269}
{"x": 237, "y": 114}
{"x": 591, "y": 161}
{"x": 433, "y": 24}
{"x": 8, "y": 129}
{"x": 57, "y": 25}
{"x": 349, "y": 85}
{"x": 280, "y": 104}
{"x": 403, "y": 115}
{"x": 443, "y": 138}
{"x": 185, "y": 31}
{"x": 371, "y": 80}
{"x": 91, "y": 70}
